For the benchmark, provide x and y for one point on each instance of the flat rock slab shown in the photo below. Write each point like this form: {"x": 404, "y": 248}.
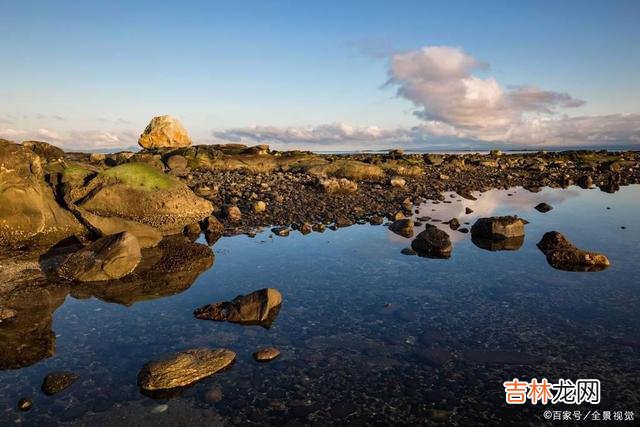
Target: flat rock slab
{"x": 55, "y": 382}
{"x": 184, "y": 368}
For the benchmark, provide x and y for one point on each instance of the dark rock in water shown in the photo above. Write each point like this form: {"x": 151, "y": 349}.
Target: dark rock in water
{"x": 454, "y": 224}
{"x": 213, "y": 225}
{"x": 424, "y": 218}
{"x": 184, "y": 368}
{"x": 318, "y": 227}
{"x": 403, "y": 227}
{"x": 257, "y": 308}
{"x": 55, "y": 382}
{"x": 432, "y": 243}
{"x": 280, "y": 231}
{"x": 376, "y": 220}
{"x": 563, "y": 255}
{"x": 266, "y": 354}
{"x": 468, "y": 210}
{"x": 24, "y": 404}
{"x": 585, "y": 181}
{"x": 543, "y": 207}
{"x": 501, "y": 357}
{"x": 408, "y": 251}
{"x": 509, "y": 244}
{"x": 466, "y": 194}
{"x": 497, "y": 228}
{"x": 110, "y": 257}
{"x": 463, "y": 230}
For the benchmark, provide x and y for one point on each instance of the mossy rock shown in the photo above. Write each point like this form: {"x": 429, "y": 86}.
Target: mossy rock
{"x": 139, "y": 176}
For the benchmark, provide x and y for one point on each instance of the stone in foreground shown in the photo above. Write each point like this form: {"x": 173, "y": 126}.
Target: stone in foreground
{"x": 432, "y": 243}
{"x": 498, "y": 227}
{"x": 257, "y": 308}
{"x": 563, "y": 255}
{"x": 403, "y": 227}
{"x": 108, "y": 258}
{"x": 266, "y": 354}
{"x": 183, "y": 368}
{"x": 55, "y": 382}
{"x": 164, "y": 132}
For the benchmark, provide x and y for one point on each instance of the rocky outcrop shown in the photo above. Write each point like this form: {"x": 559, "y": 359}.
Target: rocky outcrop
{"x": 498, "y": 228}
{"x": 257, "y": 308}
{"x": 164, "y": 132}
{"x": 563, "y": 255}
{"x": 184, "y": 368}
{"x": 29, "y": 213}
{"x": 108, "y": 258}
{"x": 432, "y": 243}
{"x": 139, "y": 193}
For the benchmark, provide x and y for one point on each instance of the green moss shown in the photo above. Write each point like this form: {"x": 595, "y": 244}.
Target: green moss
{"x": 140, "y": 176}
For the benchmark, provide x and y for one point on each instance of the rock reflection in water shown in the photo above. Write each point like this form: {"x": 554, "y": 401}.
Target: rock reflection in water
{"x": 168, "y": 269}
{"x": 510, "y": 244}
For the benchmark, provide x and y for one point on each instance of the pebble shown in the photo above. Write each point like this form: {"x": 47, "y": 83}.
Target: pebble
{"x": 24, "y": 404}
{"x": 158, "y": 409}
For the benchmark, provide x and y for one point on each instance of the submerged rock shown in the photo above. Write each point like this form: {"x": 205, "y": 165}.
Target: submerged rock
{"x": 164, "y": 132}
{"x": 403, "y": 227}
{"x": 55, "y": 382}
{"x": 184, "y": 368}
{"x": 108, "y": 258}
{"x": 266, "y": 354}
{"x": 25, "y": 404}
{"x": 257, "y": 308}
{"x": 563, "y": 255}
{"x": 543, "y": 207}
{"x": 432, "y": 243}
{"x": 498, "y": 228}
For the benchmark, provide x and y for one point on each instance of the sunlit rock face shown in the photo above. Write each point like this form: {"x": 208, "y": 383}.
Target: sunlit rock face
{"x": 29, "y": 213}
{"x": 164, "y": 132}
{"x": 257, "y": 308}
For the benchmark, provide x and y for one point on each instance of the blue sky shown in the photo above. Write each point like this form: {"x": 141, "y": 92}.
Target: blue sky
{"x": 93, "y": 74}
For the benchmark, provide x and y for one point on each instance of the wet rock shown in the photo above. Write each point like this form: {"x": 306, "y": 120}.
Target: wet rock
{"x": 318, "y": 227}
{"x": 7, "y": 314}
{"x": 108, "y": 258}
{"x": 468, "y": 211}
{"x": 585, "y": 181}
{"x": 563, "y": 255}
{"x": 213, "y": 225}
{"x": 466, "y": 194}
{"x": 266, "y": 354}
{"x": 543, "y": 207}
{"x": 306, "y": 228}
{"x": 259, "y": 207}
{"x": 148, "y": 237}
{"x": 376, "y": 220}
{"x": 258, "y": 308}
{"x": 454, "y": 224}
{"x": 55, "y": 382}
{"x": 343, "y": 222}
{"x": 184, "y": 368}
{"x": 432, "y": 243}
{"x": 232, "y": 213}
{"x": 403, "y": 227}
{"x": 24, "y": 404}
{"x": 463, "y": 230}
{"x": 280, "y": 231}
{"x": 408, "y": 251}
{"x": 396, "y": 181}
{"x": 164, "y": 132}
{"x": 508, "y": 244}
{"x": 498, "y": 228}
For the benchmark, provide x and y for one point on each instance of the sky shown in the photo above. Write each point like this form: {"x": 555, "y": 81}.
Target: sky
{"x": 323, "y": 75}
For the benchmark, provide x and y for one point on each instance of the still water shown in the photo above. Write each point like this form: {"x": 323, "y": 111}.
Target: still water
{"x": 368, "y": 335}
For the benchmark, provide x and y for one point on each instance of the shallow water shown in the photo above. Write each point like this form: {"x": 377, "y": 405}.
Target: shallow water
{"x": 367, "y": 335}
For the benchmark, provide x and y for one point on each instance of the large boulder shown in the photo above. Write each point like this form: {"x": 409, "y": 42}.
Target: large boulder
{"x": 138, "y": 192}
{"x": 498, "y": 228}
{"x": 257, "y": 308}
{"x": 108, "y": 258}
{"x": 164, "y": 132}
{"x": 432, "y": 243}
{"x": 563, "y": 255}
{"x": 29, "y": 213}
{"x": 184, "y": 368}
